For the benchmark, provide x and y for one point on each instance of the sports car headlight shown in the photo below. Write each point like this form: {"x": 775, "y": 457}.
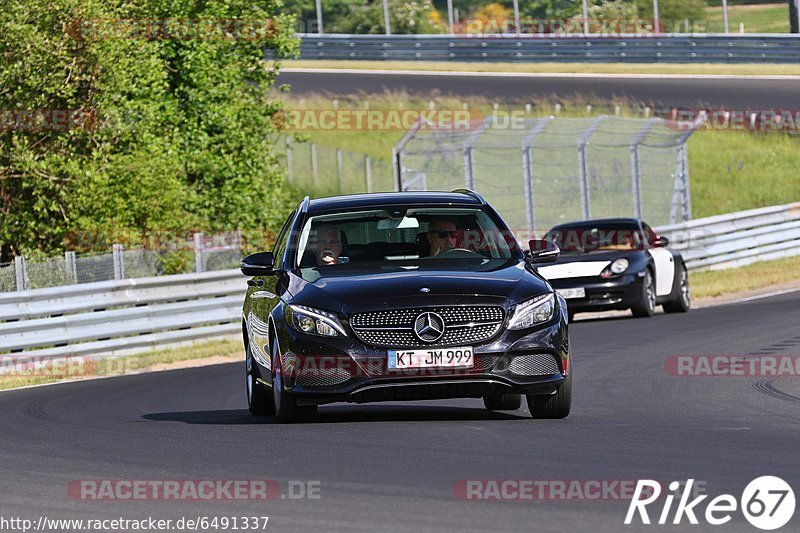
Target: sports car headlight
{"x": 533, "y": 311}
{"x": 617, "y": 267}
{"x": 313, "y": 321}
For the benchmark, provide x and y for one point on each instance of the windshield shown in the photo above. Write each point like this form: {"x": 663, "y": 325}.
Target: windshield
{"x": 405, "y": 238}
{"x": 588, "y": 238}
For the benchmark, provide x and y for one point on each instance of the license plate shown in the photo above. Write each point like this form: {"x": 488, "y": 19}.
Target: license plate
{"x": 578, "y": 292}
{"x": 434, "y": 358}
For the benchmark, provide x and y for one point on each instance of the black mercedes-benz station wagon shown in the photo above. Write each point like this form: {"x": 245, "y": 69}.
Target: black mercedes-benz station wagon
{"x": 403, "y": 296}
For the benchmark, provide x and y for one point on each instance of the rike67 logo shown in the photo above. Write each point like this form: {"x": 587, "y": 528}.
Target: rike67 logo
{"x": 767, "y": 503}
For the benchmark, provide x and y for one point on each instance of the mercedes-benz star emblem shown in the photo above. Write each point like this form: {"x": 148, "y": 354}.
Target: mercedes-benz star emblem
{"x": 429, "y": 327}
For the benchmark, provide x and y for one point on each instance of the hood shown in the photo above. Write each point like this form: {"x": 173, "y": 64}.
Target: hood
{"x": 352, "y": 291}
{"x": 583, "y": 265}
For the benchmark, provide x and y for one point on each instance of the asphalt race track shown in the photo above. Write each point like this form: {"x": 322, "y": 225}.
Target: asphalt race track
{"x": 729, "y": 93}
{"x": 393, "y": 467}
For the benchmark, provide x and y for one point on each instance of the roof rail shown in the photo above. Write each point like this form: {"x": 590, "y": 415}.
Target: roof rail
{"x": 470, "y": 192}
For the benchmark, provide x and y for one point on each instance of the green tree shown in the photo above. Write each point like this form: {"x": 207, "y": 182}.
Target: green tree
{"x": 176, "y": 135}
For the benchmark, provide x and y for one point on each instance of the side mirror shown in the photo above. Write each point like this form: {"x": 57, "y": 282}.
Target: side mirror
{"x": 542, "y": 251}
{"x": 659, "y": 242}
{"x": 258, "y": 264}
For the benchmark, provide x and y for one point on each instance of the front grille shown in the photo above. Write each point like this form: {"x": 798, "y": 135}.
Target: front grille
{"x": 323, "y": 377}
{"x": 537, "y": 364}
{"x": 395, "y": 328}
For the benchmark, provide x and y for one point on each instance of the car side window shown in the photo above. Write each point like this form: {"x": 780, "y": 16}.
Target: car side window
{"x": 649, "y": 234}
{"x": 282, "y": 240}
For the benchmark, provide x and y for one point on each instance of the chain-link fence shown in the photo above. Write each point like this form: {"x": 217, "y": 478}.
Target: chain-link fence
{"x": 201, "y": 254}
{"x": 544, "y": 171}
{"x": 330, "y": 171}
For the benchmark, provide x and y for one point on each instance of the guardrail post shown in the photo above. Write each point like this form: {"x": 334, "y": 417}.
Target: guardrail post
{"x": 368, "y": 172}
{"x": 198, "y": 252}
{"x": 119, "y": 263}
{"x": 20, "y": 273}
{"x": 340, "y": 169}
{"x": 71, "y": 265}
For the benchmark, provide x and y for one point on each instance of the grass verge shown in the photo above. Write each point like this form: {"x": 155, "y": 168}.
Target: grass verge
{"x": 757, "y": 18}
{"x": 701, "y": 69}
{"x": 713, "y": 283}
{"x": 211, "y": 351}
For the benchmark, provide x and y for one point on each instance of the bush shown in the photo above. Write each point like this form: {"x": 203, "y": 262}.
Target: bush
{"x": 171, "y": 132}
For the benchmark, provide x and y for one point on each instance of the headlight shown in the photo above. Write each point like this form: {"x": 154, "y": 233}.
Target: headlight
{"x": 617, "y": 267}
{"x": 533, "y": 311}
{"x": 313, "y": 321}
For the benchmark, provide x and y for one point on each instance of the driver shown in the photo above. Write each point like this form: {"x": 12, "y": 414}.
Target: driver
{"x": 326, "y": 245}
{"x": 442, "y": 234}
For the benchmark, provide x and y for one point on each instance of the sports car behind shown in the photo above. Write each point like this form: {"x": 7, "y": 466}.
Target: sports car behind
{"x": 618, "y": 263}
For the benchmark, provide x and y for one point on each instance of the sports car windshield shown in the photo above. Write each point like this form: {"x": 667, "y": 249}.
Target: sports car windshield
{"x": 588, "y": 238}
{"x": 403, "y": 239}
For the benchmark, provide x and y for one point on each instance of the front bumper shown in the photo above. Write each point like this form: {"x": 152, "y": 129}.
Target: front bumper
{"x": 319, "y": 371}
{"x": 620, "y": 292}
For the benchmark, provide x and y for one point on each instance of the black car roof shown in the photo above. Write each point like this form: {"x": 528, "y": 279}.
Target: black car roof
{"x": 598, "y": 222}
{"x": 392, "y": 198}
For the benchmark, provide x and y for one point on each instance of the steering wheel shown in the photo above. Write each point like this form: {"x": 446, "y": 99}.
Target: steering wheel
{"x": 459, "y": 251}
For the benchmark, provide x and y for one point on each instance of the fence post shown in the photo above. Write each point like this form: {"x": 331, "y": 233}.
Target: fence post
{"x": 71, "y": 265}
{"x": 368, "y": 172}
{"x": 636, "y": 176}
{"x": 527, "y": 165}
{"x": 198, "y": 252}
{"x": 340, "y": 169}
{"x": 20, "y": 273}
{"x": 687, "y": 190}
{"x": 583, "y": 166}
{"x": 314, "y": 169}
{"x": 469, "y": 174}
{"x": 290, "y": 175}
{"x": 397, "y": 167}
{"x": 119, "y": 263}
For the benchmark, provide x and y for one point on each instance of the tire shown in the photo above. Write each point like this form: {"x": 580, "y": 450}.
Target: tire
{"x": 647, "y": 302}
{"x": 284, "y": 405}
{"x": 259, "y": 401}
{"x": 683, "y": 302}
{"x": 502, "y": 402}
{"x": 555, "y": 405}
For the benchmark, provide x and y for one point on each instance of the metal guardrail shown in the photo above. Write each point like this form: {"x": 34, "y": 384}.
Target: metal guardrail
{"x": 120, "y": 316}
{"x": 672, "y": 48}
{"x": 737, "y": 239}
